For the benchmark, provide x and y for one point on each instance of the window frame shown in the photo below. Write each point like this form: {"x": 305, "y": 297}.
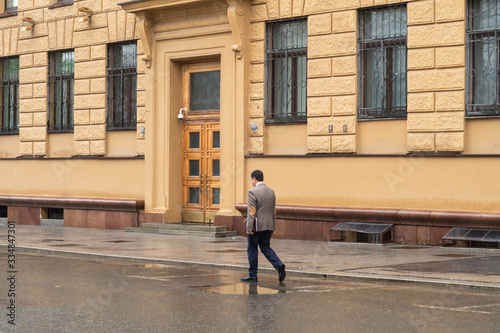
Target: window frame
{"x": 271, "y": 54}
{"x": 130, "y": 71}
{"x": 14, "y": 113}
{"x": 473, "y": 36}
{"x": 387, "y": 47}
{"x": 8, "y": 11}
{"x": 65, "y": 78}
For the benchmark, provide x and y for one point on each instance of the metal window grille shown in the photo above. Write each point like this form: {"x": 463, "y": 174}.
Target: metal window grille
{"x": 11, "y": 5}
{"x": 61, "y": 91}
{"x": 382, "y": 62}
{"x": 9, "y": 90}
{"x": 122, "y": 86}
{"x": 483, "y": 58}
{"x": 286, "y": 66}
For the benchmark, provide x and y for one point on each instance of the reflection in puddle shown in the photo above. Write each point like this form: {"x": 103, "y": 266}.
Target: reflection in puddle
{"x": 243, "y": 289}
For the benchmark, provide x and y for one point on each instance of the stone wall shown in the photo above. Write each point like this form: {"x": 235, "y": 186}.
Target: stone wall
{"x": 435, "y": 78}
{"x": 60, "y": 29}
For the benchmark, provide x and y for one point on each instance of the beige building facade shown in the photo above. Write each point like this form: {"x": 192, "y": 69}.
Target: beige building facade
{"x": 378, "y": 112}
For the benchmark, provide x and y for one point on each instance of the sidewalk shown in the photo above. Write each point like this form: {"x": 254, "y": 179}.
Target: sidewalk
{"x": 446, "y": 266}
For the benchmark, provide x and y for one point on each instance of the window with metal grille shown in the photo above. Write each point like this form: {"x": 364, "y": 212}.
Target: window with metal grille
{"x": 122, "y": 86}
{"x": 286, "y": 65}
{"x": 382, "y": 63}
{"x": 9, "y": 86}
{"x": 11, "y": 6}
{"x": 61, "y": 91}
{"x": 483, "y": 39}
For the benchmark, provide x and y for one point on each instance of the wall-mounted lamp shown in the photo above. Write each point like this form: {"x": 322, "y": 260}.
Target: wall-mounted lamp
{"x": 87, "y": 12}
{"x": 181, "y": 115}
{"x": 29, "y": 23}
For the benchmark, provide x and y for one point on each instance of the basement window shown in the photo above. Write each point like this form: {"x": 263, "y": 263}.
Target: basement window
{"x": 3, "y": 211}
{"x": 362, "y": 232}
{"x": 55, "y": 213}
{"x": 470, "y": 237}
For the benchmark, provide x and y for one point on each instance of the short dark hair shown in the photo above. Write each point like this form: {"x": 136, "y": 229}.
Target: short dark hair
{"x": 257, "y": 174}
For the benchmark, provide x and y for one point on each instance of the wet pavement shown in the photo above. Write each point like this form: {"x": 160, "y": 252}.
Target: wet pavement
{"x": 447, "y": 266}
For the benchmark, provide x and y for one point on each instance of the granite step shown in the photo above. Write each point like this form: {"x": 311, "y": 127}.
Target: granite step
{"x": 183, "y": 229}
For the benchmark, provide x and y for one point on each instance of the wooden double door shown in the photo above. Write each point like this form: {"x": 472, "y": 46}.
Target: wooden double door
{"x": 201, "y": 144}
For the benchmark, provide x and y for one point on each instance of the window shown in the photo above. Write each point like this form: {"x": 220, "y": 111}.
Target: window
{"x": 286, "y": 65}
{"x": 9, "y": 85}
{"x": 483, "y": 36}
{"x": 11, "y": 6}
{"x": 122, "y": 86}
{"x": 382, "y": 72}
{"x": 60, "y": 91}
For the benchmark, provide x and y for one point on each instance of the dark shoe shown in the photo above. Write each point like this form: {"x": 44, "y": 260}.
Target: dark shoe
{"x": 249, "y": 278}
{"x": 282, "y": 272}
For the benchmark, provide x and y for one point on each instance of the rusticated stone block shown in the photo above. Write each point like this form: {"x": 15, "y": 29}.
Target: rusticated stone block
{"x": 273, "y": 7}
{"x": 40, "y": 148}
{"x": 344, "y": 21}
{"x": 97, "y": 147}
{"x": 82, "y": 54}
{"x": 450, "y": 141}
{"x": 285, "y": 8}
{"x": 82, "y": 148}
{"x": 94, "y": 101}
{"x": 342, "y": 85}
{"x": 298, "y": 7}
{"x": 141, "y": 114}
{"x": 344, "y": 65}
{"x": 319, "y": 24}
{"x": 450, "y": 10}
{"x": 319, "y": 67}
{"x": 90, "y": 37}
{"x": 256, "y": 108}
{"x": 256, "y": 90}
{"x": 81, "y": 117}
{"x": 319, "y": 144}
{"x": 90, "y": 69}
{"x": 260, "y": 126}
{"x": 343, "y": 144}
{"x": 141, "y": 98}
{"x": 319, "y": 6}
{"x": 32, "y": 134}
{"x": 40, "y": 59}
{"x": 436, "y": 35}
{"x": 256, "y": 145}
{"x": 436, "y": 122}
{"x": 257, "y": 73}
{"x": 26, "y": 148}
{"x": 320, "y": 106}
{"x": 450, "y": 56}
{"x": 25, "y": 119}
{"x": 98, "y": 116}
{"x": 32, "y": 45}
{"x": 420, "y": 12}
{"x": 344, "y": 105}
{"x": 257, "y": 52}
{"x": 366, "y": 3}
{"x": 40, "y": 119}
{"x": 321, "y": 125}
{"x": 259, "y": 13}
{"x": 39, "y": 90}
{"x": 141, "y": 147}
{"x": 97, "y": 132}
{"x": 421, "y": 142}
{"x": 35, "y": 104}
{"x": 98, "y": 86}
{"x": 26, "y": 91}
{"x": 25, "y": 60}
{"x": 257, "y": 31}
{"x": 332, "y": 45}
{"x": 450, "y": 101}
{"x": 98, "y": 52}
{"x": 435, "y": 80}
{"x": 81, "y": 87}
{"x": 33, "y": 75}
{"x": 421, "y": 58}
{"x": 420, "y": 102}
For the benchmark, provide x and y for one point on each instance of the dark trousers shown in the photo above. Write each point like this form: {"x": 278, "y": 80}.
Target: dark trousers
{"x": 260, "y": 239}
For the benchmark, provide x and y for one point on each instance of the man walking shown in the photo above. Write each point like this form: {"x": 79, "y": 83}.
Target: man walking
{"x": 260, "y": 224}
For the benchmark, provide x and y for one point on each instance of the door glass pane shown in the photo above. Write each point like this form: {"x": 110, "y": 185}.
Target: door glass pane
{"x": 194, "y": 195}
{"x": 216, "y": 196}
{"x": 216, "y": 168}
{"x": 194, "y": 168}
{"x": 204, "y": 91}
{"x": 216, "y": 140}
{"x": 194, "y": 140}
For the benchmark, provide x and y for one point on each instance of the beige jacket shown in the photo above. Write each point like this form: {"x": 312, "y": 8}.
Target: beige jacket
{"x": 261, "y": 213}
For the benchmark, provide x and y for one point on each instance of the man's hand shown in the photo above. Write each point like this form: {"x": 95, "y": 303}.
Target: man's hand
{"x": 249, "y": 233}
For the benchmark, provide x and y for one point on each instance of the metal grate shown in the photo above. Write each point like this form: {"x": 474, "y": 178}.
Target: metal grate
{"x": 365, "y": 232}
{"x": 9, "y": 94}
{"x": 61, "y": 91}
{"x": 3, "y": 211}
{"x": 286, "y": 65}
{"x": 483, "y": 59}
{"x": 470, "y": 237}
{"x": 55, "y": 213}
{"x": 382, "y": 63}
{"x": 122, "y": 86}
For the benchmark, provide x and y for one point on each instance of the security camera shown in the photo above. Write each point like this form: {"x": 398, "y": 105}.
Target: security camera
{"x": 181, "y": 115}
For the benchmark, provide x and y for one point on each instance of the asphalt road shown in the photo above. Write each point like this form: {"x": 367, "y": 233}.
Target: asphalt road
{"x": 78, "y": 294}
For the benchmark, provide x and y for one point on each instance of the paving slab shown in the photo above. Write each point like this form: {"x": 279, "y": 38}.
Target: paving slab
{"x": 447, "y": 266}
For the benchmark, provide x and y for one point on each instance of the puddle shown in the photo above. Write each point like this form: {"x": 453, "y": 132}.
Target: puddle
{"x": 452, "y": 255}
{"x": 243, "y": 289}
{"x": 52, "y": 240}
